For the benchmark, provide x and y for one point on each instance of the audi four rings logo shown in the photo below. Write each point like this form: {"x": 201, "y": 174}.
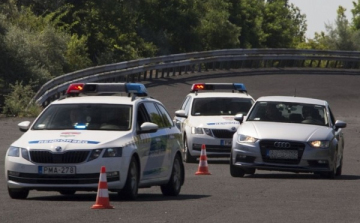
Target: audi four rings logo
{"x": 282, "y": 144}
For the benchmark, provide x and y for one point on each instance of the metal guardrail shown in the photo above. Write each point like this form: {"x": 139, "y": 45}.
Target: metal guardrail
{"x": 178, "y": 64}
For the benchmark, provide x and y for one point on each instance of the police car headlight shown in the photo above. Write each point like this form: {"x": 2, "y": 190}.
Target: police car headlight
{"x": 196, "y": 130}
{"x": 13, "y": 151}
{"x": 247, "y": 139}
{"x": 320, "y": 144}
{"x": 113, "y": 152}
{"x": 25, "y": 154}
{"x": 95, "y": 154}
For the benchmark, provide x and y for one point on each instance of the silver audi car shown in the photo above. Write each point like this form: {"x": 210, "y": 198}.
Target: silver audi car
{"x": 292, "y": 134}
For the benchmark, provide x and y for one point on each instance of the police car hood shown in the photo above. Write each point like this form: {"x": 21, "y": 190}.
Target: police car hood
{"x": 288, "y": 131}
{"x": 68, "y": 139}
{"x": 214, "y": 122}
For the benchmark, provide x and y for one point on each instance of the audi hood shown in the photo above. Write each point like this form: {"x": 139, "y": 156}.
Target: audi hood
{"x": 288, "y": 131}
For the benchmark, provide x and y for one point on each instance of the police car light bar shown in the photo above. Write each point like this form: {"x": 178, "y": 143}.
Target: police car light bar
{"x": 218, "y": 86}
{"x": 107, "y": 88}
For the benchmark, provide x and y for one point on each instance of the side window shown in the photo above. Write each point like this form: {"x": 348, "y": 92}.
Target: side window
{"x": 186, "y": 105}
{"x": 166, "y": 117}
{"x": 154, "y": 114}
{"x": 141, "y": 116}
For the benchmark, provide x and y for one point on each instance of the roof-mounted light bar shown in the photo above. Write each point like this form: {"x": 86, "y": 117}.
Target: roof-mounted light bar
{"x": 218, "y": 86}
{"x": 107, "y": 88}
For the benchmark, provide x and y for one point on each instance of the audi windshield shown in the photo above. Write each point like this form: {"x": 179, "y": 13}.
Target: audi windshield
{"x": 289, "y": 113}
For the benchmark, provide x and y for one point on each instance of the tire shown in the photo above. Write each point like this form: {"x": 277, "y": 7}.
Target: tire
{"x": 339, "y": 169}
{"x": 67, "y": 192}
{"x": 250, "y": 171}
{"x": 18, "y": 193}
{"x": 130, "y": 190}
{"x": 173, "y": 187}
{"x": 332, "y": 174}
{"x": 187, "y": 156}
{"x": 236, "y": 171}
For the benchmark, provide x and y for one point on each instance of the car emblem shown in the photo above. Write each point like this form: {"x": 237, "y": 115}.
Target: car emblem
{"x": 282, "y": 144}
{"x": 58, "y": 149}
{"x": 233, "y": 128}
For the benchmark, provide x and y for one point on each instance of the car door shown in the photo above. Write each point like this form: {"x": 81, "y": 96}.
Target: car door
{"x": 158, "y": 160}
{"x": 338, "y": 134}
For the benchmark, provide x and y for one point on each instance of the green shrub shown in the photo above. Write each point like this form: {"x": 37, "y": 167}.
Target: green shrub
{"x": 17, "y": 101}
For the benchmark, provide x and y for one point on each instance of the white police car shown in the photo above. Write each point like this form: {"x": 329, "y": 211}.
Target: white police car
{"x": 207, "y": 117}
{"x": 292, "y": 134}
{"x": 63, "y": 150}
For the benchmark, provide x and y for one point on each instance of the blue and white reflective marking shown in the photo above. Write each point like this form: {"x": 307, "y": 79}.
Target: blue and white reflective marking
{"x": 63, "y": 140}
{"x": 222, "y": 123}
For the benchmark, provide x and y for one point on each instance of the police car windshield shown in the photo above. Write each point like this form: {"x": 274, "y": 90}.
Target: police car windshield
{"x": 85, "y": 117}
{"x": 220, "y": 106}
{"x": 289, "y": 112}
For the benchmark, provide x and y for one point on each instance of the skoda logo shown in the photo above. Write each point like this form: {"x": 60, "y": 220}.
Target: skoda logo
{"x": 58, "y": 149}
{"x": 282, "y": 144}
{"x": 233, "y": 128}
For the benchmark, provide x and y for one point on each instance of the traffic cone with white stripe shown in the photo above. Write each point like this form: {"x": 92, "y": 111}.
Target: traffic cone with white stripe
{"x": 102, "y": 198}
{"x": 203, "y": 164}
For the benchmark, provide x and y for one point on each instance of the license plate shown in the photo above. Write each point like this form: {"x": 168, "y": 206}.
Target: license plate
{"x": 226, "y": 142}
{"x": 68, "y": 170}
{"x": 283, "y": 154}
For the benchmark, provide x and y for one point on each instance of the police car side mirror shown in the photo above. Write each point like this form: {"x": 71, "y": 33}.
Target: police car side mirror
{"x": 180, "y": 113}
{"x": 339, "y": 124}
{"x": 148, "y": 127}
{"x": 239, "y": 118}
{"x": 24, "y": 126}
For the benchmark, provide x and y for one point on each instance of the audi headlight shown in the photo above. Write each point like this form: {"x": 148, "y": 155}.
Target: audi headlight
{"x": 320, "y": 144}
{"x": 14, "y": 151}
{"x": 196, "y": 130}
{"x": 113, "y": 152}
{"x": 246, "y": 138}
{"x": 95, "y": 154}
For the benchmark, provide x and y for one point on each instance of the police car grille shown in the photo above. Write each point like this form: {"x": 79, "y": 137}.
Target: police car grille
{"x": 67, "y": 157}
{"x": 222, "y": 133}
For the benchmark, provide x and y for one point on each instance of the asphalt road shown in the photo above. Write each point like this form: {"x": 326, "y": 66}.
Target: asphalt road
{"x": 264, "y": 197}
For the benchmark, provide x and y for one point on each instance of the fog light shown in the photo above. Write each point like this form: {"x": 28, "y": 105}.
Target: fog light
{"x": 112, "y": 174}
{"x": 241, "y": 156}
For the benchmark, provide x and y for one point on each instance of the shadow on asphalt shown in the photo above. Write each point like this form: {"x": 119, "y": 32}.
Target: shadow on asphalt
{"x": 142, "y": 197}
{"x": 301, "y": 176}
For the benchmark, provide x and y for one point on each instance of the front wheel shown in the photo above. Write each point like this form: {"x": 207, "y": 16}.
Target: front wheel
{"x": 18, "y": 193}
{"x": 236, "y": 171}
{"x": 187, "y": 156}
{"x": 173, "y": 187}
{"x": 130, "y": 190}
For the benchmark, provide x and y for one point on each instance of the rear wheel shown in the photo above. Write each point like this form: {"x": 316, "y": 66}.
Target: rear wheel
{"x": 173, "y": 187}
{"x": 18, "y": 193}
{"x": 236, "y": 171}
{"x": 130, "y": 190}
{"x": 187, "y": 156}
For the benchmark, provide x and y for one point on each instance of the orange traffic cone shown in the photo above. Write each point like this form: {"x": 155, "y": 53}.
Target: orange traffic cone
{"x": 203, "y": 165}
{"x": 102, "y": 198}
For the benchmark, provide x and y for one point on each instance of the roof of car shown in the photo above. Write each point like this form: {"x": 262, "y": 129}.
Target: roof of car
{"x": 221, "y": 94}
{"x": 97, "y": 100}
{"x": 293, "y": 99}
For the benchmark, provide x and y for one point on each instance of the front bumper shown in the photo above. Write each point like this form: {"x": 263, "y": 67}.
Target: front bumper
{"x": 308, "y": 159}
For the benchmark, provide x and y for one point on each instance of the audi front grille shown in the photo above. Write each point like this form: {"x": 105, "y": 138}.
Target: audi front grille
{"x": 66, "y": 157}
{"x": 281, "y": 145}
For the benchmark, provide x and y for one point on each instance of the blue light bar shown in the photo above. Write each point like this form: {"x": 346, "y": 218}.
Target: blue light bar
{"x": 136, "y": 88}
{"x": 114, "y": 88}
{"x": 240, "y": 87}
